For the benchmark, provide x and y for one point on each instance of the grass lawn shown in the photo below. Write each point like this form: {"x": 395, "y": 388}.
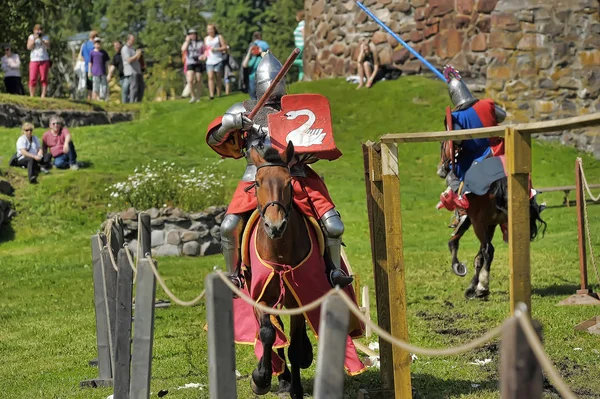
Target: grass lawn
{"x": 47, "y": 323}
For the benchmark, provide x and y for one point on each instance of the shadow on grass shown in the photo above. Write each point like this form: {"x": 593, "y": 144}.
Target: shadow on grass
{"x": 426, "y": 386}
{"x": 7, "y": 233}
{"x": 556, "y": 290}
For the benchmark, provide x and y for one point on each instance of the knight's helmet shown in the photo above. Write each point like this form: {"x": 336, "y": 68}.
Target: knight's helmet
{"x": 267, "y": 70}
{"x": 458, "y": 90}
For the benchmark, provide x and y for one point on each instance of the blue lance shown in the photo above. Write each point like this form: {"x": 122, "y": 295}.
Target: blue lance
{"x": 402, "y": 42}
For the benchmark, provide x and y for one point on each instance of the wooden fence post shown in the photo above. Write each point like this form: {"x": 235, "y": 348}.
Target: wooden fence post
{"x": 395, "y": 266}
{"x": 375, "y": 207}
{"x": 143, "y": 331}
{"x": 518, "y": 156}
{"x": 333, "y": 331}
{"x": 123, "y": 327}
{"x": 110, "y": 276}
{"x": 221, "y": 345}
{"x": 520, "y": 372}
{"x": 102, "y": 331}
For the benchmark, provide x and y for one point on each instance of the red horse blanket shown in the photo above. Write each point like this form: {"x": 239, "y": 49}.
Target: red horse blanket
{"x": 306, "y": 282}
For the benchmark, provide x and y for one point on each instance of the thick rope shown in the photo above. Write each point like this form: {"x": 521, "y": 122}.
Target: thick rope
{"x": 168, "y": 291}
{"x": 585, "y": 183}
{"x": 542, "y": 357}
{"x": 132, "y": 262}
{"x": 587, "y": 222}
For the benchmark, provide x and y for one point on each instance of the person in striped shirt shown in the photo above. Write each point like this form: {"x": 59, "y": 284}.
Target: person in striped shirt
{"x": 299, "y": 42}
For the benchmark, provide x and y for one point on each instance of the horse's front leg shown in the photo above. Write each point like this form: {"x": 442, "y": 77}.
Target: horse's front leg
{"x": 459, "y": 268}
{"x": 261, "y": 376}
{"x": 483, "y": 287}
{"x": 471, "y": 292}
{"x": 300, "y": 354}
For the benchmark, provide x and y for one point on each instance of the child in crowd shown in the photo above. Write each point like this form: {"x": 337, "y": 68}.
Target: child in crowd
{"x": 98, "y": 68}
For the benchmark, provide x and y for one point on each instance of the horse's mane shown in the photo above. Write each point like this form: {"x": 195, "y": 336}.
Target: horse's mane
{"x": 271, "y": 155}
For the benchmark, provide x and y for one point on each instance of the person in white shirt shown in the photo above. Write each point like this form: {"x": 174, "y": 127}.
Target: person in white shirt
{"x": 11, "y": 66}
{"x": 216, "y": 46}
{"x": 195, "y": 62}
{"x": 29, "y": 153}
{"x": 39, "y": 60}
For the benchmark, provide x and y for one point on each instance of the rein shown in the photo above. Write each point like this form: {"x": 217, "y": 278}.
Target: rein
{"x": 286, "y": 208}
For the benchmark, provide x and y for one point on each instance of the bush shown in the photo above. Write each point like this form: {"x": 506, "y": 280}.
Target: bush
{"x": 163, "y": 184}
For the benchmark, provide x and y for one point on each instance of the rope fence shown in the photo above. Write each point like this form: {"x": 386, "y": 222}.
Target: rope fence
{"x": 587, "y": 222}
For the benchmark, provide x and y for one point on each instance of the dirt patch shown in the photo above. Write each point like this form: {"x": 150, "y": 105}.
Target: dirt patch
{"x": 448, "y": 318}
{"x": 453, "y": 331}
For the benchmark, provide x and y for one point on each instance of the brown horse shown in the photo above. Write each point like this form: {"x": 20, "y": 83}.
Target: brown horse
{"x": 485, "y": 212}
{"x": 282, "y": 239}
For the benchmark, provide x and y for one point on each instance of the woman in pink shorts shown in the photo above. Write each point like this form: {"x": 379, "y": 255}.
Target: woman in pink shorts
{"x": 39, "y": 63}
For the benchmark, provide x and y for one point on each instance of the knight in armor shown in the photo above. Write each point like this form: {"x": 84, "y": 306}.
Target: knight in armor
{"x": 232, "y": 135}
{"x": 470, "y": 113}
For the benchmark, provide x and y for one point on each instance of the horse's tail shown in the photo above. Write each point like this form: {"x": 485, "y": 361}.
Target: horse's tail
{"x": 499, "y": 189}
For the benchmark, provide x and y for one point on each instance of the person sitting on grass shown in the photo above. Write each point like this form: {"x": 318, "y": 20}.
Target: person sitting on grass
{"x": 59, "y": 142}
{"x": 30, "y": 155}
{"x": 368, "y": 64}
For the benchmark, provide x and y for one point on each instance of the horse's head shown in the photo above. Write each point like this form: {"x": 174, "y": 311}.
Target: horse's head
{"x": 446, "y": 158}
{"x": 273, "y": 187}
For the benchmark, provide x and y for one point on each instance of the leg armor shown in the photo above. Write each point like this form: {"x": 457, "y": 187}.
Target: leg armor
{"x": 231, "y": 236}
{"x": 333, "y": 228}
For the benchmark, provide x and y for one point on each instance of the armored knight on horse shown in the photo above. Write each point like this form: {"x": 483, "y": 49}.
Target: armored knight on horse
{"x": 233, "y": 135}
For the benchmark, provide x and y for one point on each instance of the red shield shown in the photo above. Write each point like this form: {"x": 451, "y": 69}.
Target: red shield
{"x": 305, "y": 120}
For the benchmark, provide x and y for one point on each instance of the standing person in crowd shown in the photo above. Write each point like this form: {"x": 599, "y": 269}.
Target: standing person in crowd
{"x": 368, "y": 64}
{"x": 98, "y": 66}
{"x": 30, "y": 154}
{"x": 231, "y": 65}
{"x": 194, "y": 61}
{"x": 253, "y": 57}
{"x": 117, "y": 65}
{"x": 59, "y": 144}
{"x": 215, "y": 49}
{"x": 132, "y": 69}
{"x": 11, "y": 65}
{"x": 86, "y": 51}
{"x": 299, "y": 43}
{"x": 39, "y": 60}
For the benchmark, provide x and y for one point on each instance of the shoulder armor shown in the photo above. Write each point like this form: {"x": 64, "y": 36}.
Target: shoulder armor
{"x": 236, "y": 109}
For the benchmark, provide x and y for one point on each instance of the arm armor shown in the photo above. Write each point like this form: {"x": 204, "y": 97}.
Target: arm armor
{"x": 500, "y": 114}
{"x": 232, "y": 121}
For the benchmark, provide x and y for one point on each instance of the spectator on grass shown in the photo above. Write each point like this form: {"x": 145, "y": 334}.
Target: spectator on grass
{"x": 194, "y": 63}
{"x": 253, "y": 57}
{"x": 98, "y": 66}
{"x": 117, "y": 65}
{"x": 86, "y": 51}
{"x": 11, "y": 65}
{"x": 368, "y": 64}
{"x": 215, "y": 47}
{"x": 30, "y": 155}
{"x": 39, "y": 60}
{"x": 231, "y": 65}
{"x": 59, "y": 143}
{"x": 299, "y": 43}
{"x": 132, "y": 69}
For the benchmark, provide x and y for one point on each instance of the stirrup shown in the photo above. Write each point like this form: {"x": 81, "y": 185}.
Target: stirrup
{"x": 340, "y": 278}
{"x": 238, "y": 281}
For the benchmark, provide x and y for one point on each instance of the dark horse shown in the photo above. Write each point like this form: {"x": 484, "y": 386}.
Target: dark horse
{"x": 485, "y": 212}
{"x": 282, "y": 239}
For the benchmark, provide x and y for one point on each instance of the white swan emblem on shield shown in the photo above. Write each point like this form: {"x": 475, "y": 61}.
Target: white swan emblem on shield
{"x": 304, "y": 136}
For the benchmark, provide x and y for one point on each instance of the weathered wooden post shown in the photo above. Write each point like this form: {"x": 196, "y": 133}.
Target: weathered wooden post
{"x": 518, "y": 156}
{"x": 221, "y": 345}
{"x": 102, "y": 329}
{"x": 123, "y": 327}
{"x": 333, "y": 331}
{"x": 143, "y": 332}
{"x": 375, "y": 208}
{"x": 395, "y": 266}
{"x": 520, "y": 372}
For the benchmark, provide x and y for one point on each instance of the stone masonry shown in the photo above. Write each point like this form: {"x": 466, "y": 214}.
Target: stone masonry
{"x": 540, "y": 59}
{"x": 176, "y": 233}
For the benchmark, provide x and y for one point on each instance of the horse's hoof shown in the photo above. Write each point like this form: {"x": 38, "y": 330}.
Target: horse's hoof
{"x": 284, "y": 387}
{"x": 297, "y": 394}
{"x": 470, "y": 293}
{"x": 259, "y": 390}
{"x": 460, "y": 269}
{"x": 482, "y": 294}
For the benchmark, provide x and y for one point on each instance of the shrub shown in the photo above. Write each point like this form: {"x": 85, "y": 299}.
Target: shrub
{"x": 163, "y": 184}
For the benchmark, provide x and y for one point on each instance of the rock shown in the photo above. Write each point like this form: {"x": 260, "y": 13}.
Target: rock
{"x": 190, "y": 236}
{"x": 546, "y": 84}
{"x": 191, "y": 248}
{"x": 411, "y": 67}
{"x": 158, "y": 221}
{"x": 166, "y": 211}
{"x": 200, "y": 228}
{"x": 588, "y": 58}
{"x": 379, "y": 37}
{"x": 133, "y": 246}
{"x": 210, "y": 248}
{"x": 401, "y": 7}
{"x": 431, "y": 30}
{"x": 153, "y": 212}
{"x": 505, "y": 21}
{"x": 438, "y": 8}
{"x": 338, "y": 48}
{"x": 479, "y": 43}
{"x": 532, "y": 41}
{"x": 499, "y": 72}
{"x": 131, "y": 224}
{"x": 416, "y": 36}
{"x": 500, "y": 39}
{"x": 462, "y": 21}
{"x": 157, "y": 238}
{"x": 484, "y": 24}
{"x": 383, "y": 14}
{"x": 385, "y": 56}
{"x": 6, "y": 188}
{"x": 569, "y": 83}
{"x": 174, "y": 237}
{"x": 464, "y": 6}
{"x": 400, "y": 56}
{"x": 418, "y": 3}
{"x": 361, "y": 18}
{"x": 129, "y": 214}
{"x": 215, "y": 232}
{"x": 420, "y": 14}
{"x": 544, "y": 107}
{"x": 486, "y": 6}
{"x": 168, "y": 250}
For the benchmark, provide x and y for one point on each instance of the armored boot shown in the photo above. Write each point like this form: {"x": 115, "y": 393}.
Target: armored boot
{"x": 333, "y": 228}
{"x": 231, "y": 234}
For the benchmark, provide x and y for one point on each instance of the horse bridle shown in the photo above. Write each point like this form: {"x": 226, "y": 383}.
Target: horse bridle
{"x": 286, "y": 208}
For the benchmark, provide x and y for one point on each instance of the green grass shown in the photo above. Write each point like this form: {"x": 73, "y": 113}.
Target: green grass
{"x": 47, "y": 324}
{"x": 61, "y": 104}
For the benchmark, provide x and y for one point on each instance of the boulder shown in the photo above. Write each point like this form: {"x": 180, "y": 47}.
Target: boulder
{"x": 210, "y": 248}
{"x": 191, "y": 248}
{"x": 174, "y": 237}
{"x": 187, "y": 236}
{"x": 157, "y": 238}
{"x": 168, "y": 250}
